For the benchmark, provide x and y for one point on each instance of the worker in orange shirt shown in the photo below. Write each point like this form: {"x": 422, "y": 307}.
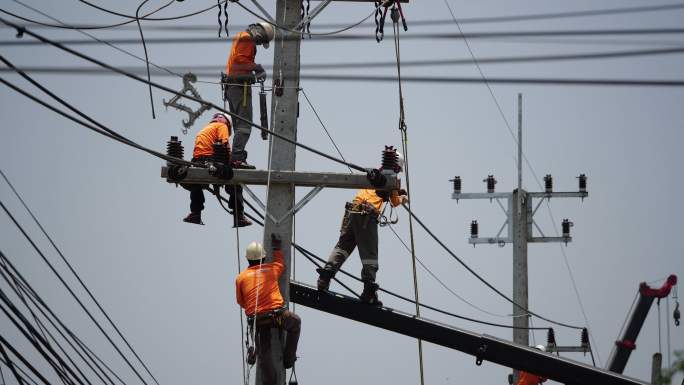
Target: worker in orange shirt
{"x": 360, "y": 228}
{"x": 525, "y": 378}
{"x": 241, "y": 72}
{"x": 218, "y": 130}
{"x": 258, "y": 292}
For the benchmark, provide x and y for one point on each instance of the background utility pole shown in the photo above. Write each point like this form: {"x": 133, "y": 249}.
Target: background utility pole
{"x": 283, "y": 121}
{"x": 520, "y": 223}
{"x": 520, "y": 235}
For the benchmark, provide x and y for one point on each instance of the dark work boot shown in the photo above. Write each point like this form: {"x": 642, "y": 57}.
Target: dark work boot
{"x": 324, "y": 277}
{"x": 370, "y": 294}
{"x": 195, "y": 218}
{"x": 243, "y": 165}
{"x": 241, "y": 221}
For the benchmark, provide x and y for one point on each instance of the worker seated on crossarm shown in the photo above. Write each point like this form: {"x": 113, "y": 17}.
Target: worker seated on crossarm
{"x": 258, "y": 292}
{"x": 360, "y": 228}
{"x": 241, "y": 72}
{"x": 526, "y": 378}
{"x": 218, "y": 130}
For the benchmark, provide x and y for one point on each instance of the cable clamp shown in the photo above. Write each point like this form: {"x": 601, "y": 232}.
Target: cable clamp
{"x": 480, "y": 352}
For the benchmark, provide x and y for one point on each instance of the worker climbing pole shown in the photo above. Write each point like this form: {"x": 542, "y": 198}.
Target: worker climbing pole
{"x": 241, "y": 73}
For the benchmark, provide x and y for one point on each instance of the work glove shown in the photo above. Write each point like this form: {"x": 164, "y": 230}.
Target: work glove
{"x": 276, "y": 242}
{"x": 260, "y": 73}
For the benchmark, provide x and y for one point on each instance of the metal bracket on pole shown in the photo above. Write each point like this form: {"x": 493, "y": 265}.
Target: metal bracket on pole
{"x": 313, "y": 14}
{"x": 192, "y": 114}
{"x": 302, "y": 202}
{"x": 268, "y": 15}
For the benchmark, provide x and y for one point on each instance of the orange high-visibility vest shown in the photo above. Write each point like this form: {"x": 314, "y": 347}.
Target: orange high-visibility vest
{"x": 242, "y": 54}
{"x": 213, "y": 132}
{"x": 262, "y": 280}
{"x": 369, "y": 196}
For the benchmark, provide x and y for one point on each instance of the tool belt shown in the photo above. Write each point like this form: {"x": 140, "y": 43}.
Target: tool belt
{"x": 362, "y": 208}
{"x": 271, "y": 319}
{"x": 240, "y": 80}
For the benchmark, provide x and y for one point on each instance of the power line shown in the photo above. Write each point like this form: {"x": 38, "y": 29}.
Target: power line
{"x": 94, "y": 38}
{"x": 445, "y": 80}
{"x": 465, "y": 20}
{"x": 313, "y": 258}
{"x": 109, "y": 25}
{"x": 422, "y": 36}
{"x": 201, "y": 101}
{"x": 481, "y": 279}
{"x": 77, "y": 276}
{"x": 410, "y": 63}
{"x": 73, "y": 294}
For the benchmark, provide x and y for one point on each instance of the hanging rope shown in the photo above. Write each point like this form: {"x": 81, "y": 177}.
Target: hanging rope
{"x": 667, "y": 322}
{"x": 660, "y": 344}
{"x": 404, "y": 145}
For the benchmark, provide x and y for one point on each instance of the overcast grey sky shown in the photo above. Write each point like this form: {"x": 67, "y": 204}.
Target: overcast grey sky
{"x": 170, "y": 285}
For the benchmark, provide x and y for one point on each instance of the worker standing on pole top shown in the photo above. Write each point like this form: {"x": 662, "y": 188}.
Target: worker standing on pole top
{"x": 218, "y": 130}
{"x": 241, "y": 73}
{"x": 360, "y": 228}
{"x": 258, "y": 292}
{"x": 526, "y": 378}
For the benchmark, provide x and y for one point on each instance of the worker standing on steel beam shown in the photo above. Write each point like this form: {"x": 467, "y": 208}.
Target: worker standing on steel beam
{"x": 258, "y": 292}
{"x": 218, "y": 130}
{"x": 526, "y": 378}
{"x": 241, "y": 73}
{"x": 360, "y": 228}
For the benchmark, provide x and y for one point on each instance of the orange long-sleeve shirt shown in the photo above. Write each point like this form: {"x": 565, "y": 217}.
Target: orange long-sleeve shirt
{"x": 264, "y": 280}
{"x": 369, "y": 196}
{"x": 242, "y": 54}
{"x": 208, "y": 135}
{"x": 530, "y": 379}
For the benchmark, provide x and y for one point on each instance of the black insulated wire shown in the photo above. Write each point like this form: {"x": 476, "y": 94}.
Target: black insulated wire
{"x": 201, "y": 101}
{"x": 479, "y": 277}
{"x": 78, "y": 300}
{"x": 313, "y": 258}
{"x": 81, "y": 282}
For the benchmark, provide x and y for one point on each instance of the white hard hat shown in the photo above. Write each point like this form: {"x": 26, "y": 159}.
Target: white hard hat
{"x": 541, "y": 347}
{"x": 255, "y": 251}
{"x": 400, "y": 160}
{"x": 220, "y": 115}
{"x": 268, "y": 28}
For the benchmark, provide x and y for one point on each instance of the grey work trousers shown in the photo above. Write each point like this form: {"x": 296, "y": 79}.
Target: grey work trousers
{"x": 358, "y": 229}
{"x": 240, "y": 103}
{"x": 292, "y": 324}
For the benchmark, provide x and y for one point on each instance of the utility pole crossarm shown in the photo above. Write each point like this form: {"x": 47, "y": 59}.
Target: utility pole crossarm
{"x": 200, "y": 175}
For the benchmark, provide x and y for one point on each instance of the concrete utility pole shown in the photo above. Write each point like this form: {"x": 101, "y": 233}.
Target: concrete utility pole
{"x": 520, "y": 222}
{"x": 284, "y": 111}
{"x": 282, "y": 177}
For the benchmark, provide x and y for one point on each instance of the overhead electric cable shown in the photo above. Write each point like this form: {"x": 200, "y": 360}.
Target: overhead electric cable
{"x": 481, "y": 279}
{"x": 147, "y": 59}
{"x": 78, "y": 278}
{"x": 201, "y": 101}
{"x": 94, "y": 128}
{"x": 78, "y": 300}
{"x": 313, "y": 258}
{"x": 42, "y": 329}
{"x": 446, "y": 80}
{"x": 27, "y": 330}
{"x": 94, "y": 38}
{"x": 110, "y": 25}
{"x": 5, "y": 343}
{"x": 497, "y": 36}
{"x": 464, "y": 20}
{"x": 22, "y": 371}
{"x": 301, "y": 32}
